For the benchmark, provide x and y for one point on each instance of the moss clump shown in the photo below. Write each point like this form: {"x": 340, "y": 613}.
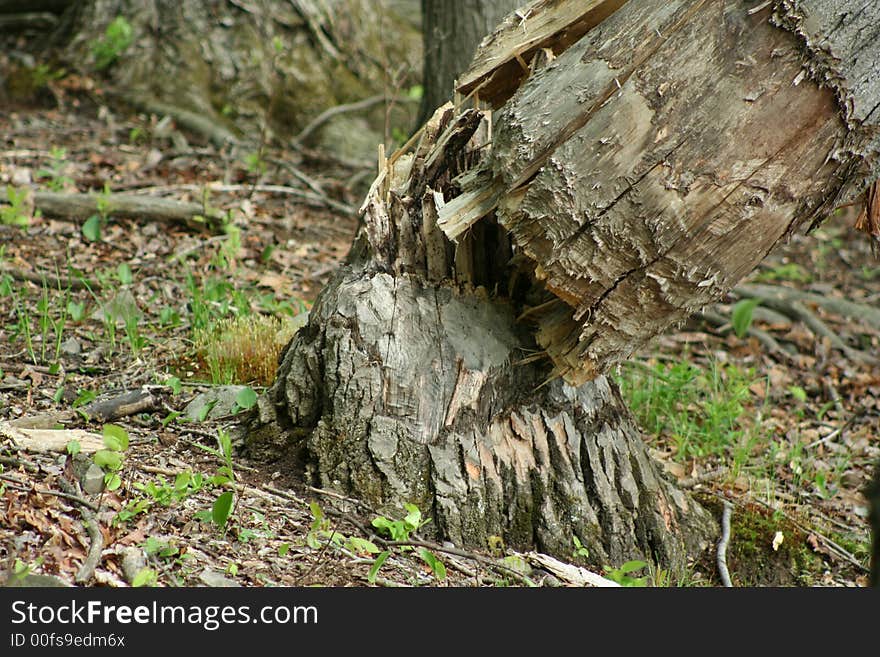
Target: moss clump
{"x": 751, "y": 557}
{"x": 241, "y": 350}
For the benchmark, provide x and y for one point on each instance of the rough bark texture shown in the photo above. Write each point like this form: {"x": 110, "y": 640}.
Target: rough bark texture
{"x": 218, "y": 60}
{"x": 413, "y": 383}
{"x": 452, "y": 31}
{"x": 656, "y": 162}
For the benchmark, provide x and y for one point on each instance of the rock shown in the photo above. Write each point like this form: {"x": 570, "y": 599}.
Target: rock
{"x": 216, "y": 580}
{"x": 214, "y": 403}
{"x": 92, "y": 481}
{"x": 133, "y": 562}
{"x": 71, "y": 347}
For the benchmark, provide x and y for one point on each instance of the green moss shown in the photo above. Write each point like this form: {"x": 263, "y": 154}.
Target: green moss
{"x": 751, "y": 558}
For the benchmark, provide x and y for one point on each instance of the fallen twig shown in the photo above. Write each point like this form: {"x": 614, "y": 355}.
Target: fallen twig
{"x": 198, "y": 123}
{"x": 124, "y": 405}
{"x": 721, "y": 555}
{"x": 862, "y": 312}
{"x": 328, "y": 114}
{"x": 52, "y": 280}
{"x": 87, "y": 570}
{"x": 766, "y": 340}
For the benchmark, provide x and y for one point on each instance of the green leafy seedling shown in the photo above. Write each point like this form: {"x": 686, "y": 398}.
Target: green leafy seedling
{"x": 741, "y": 316}
{"x": 377, "y": 564}
{"x": 245, "y": 399}
{"x": 145, "y": 577}
{"x": 222, "y": 508}
{"x": 435, "y": 564}
{"x": 579, "y": 549}
{"x": 622, "y": 575}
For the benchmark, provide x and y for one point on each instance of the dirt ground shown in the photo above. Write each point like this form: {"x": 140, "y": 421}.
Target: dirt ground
{"x": 94, "y": 306}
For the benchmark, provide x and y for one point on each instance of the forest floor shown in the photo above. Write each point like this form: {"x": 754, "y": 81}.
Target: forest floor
{"x": 100, "y": 304}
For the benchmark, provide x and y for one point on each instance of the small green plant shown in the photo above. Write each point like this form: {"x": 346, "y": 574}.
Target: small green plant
{"x": 23, "y": 326}
{"x": 21, "y": 570}
{"x": 791, "y": 271}
{"x": 145, "y": 577}
{"x": 580, "y": 552}
{"x": 15, "y": 214}
{"x": 741, "y": 316}
{"x": 321, "y": 531}
{"x": 76, "y": 310}
{"x": 222, "y": 508}
{"x": 110, "y": 458}
{"x": 116, "y": 39}
{"x": 54, "y": 172}
{"x": 93, "y": 226}
{"x": 400, "y": 530}
{"x": 622, "y": 575}
{"x": 241, "y": 350}
{"x": 255, "y": 164}
{"x": 43, "y": 74}
{"x": 700, "y": 412}
{"x": 161, "y": 549}
{"x": 437, "y": 567}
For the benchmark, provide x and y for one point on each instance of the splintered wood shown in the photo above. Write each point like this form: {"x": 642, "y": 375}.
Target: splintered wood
{"x": 504, "y": 58}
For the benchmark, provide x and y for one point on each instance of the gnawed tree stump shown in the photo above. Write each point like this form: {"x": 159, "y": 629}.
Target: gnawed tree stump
{"x": 457, "y": 361}
{"x": 413, "y": 382}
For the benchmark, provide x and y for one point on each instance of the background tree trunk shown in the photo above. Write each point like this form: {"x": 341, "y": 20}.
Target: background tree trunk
{"x": 262, "y": 65}
{"x": 451, "y": 31}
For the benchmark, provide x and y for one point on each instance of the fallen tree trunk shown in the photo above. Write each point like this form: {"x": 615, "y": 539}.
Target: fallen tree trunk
{"x": 654, "y": 163}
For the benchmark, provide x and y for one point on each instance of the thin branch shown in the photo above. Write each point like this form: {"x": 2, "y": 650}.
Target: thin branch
{"x": 87, "y": 570}
{"x": 328, "y": 114}
{"x": 721, "y": 556}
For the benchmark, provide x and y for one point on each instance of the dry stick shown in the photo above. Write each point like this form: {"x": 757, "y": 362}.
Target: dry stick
{"x": 690, "y": 482}
{"x": 198, "y": 123}
{"x": 44, "y": 277}
{"x": 20, "y": 484}
{"x": 126, "y": 404}
{"x": 459, "y": 553}
{"x": 35, "y": 20}
{"x": 328, "y": 114}
{"x": 864, "y": 313}
{"x": 313, "y": 198}
{"x": 797, "y": 311}
{"x": 18, "y": 463}
{"x": 721, "y": 556}
{"x": 87, "y": 570}
{"x": 76, "y": 206}
{"x": 832, "y": 435}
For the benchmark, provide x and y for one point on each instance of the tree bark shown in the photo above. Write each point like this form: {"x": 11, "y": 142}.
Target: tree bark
{"x": 451, "y": 31}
